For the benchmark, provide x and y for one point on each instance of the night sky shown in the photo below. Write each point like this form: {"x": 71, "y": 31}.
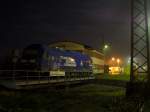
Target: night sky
{"x": 87, "y": 21}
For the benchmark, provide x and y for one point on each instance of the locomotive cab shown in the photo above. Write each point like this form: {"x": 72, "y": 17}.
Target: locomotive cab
{"x": 31, "y": 57}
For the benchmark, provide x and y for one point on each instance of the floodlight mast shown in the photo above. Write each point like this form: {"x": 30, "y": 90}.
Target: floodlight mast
{"x": 139, "y": 40}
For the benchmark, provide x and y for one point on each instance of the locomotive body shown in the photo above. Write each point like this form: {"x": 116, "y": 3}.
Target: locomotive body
{"x": 39, "y": 64}
{"x": 40, "y": 57}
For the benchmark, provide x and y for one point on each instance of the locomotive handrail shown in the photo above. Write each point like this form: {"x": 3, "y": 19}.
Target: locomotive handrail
{"x": 44, "y": 71}
{"x": 26, "y": 77}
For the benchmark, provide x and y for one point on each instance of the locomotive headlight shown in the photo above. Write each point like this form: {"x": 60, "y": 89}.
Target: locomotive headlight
{"x": 72, "y": 60}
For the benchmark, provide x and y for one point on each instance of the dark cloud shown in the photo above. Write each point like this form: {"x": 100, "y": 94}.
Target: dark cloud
{"x": 86, "y": 21}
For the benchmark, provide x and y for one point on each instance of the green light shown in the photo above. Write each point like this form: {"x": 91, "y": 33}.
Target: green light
{"x": 105, "y": 46}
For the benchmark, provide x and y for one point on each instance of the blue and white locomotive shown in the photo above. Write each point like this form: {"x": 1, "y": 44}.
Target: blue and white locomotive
{"x": 39, "y": 64}
{"x": 54, "y": 61}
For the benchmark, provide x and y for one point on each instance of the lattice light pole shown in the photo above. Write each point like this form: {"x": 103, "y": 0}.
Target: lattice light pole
{"x": 139, "y": 40}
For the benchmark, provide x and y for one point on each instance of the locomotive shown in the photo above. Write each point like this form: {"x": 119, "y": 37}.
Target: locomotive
{"x": 38, "y": 64}
{"x": 54, "y": 61}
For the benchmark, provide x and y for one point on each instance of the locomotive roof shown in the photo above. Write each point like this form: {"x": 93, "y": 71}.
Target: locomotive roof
{"x": 73, "y": 54}
{"x": 60, "y": 52}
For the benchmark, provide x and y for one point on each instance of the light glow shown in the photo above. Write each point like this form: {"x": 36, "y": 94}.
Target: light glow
{"x": 118, "y": 61}
{"x": 105, "y": 46}
{"x": 113, "y": 59}
{"x": 115, "y": 70}
{"x": 72, "y": 60}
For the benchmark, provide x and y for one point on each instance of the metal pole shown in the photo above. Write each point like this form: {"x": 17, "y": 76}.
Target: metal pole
{"x": 131, "y": 20}
{"x": 147, "y": 40}
{"x": 139, "y": 40}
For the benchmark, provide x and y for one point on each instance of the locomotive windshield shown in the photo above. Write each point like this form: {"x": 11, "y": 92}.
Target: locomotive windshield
{"x": 30, "y": 53}
{"x": 31, "y": 57}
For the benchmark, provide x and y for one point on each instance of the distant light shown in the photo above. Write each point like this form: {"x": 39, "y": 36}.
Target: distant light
{"x": 105, "y": 46}
{"x": 115, "y": 70}
{"x": 118, "y": 60}
{"x": 113, "y": 59}
{"x": 129, "y": 60}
